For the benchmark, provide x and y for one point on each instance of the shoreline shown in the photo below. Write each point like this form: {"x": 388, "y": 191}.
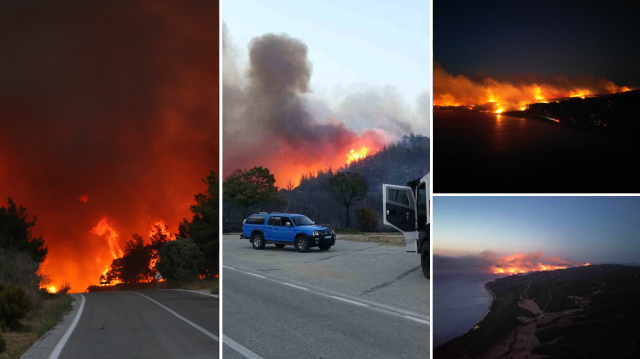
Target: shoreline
{"x": 611, "y": 139}
{"x": 493, "y": 298}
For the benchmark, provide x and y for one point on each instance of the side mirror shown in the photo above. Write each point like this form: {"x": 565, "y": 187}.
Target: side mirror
{"x": 314, "y": 222}
{"x": 288, "y": 224}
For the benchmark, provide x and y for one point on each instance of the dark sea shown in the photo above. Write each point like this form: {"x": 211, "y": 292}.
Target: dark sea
{"x": 459, "y": 303}
{"x": 488, "y": 153}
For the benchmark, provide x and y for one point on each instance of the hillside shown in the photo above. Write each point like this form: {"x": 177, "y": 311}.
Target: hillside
{"x": 581, "y": 312}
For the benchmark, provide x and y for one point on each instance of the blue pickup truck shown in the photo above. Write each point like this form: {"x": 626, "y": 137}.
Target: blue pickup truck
{"x": 284, "y": 229}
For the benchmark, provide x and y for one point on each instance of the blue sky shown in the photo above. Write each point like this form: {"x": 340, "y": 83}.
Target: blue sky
{"x": 586, "y": 229}
{"x": 351, "y": 43}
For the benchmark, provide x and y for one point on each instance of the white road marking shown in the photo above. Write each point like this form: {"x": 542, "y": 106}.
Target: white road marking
{"x": 204, "y": 331}
{"x": 350, "y": 301}
{"x": 295, "y": 286}
{"x": 56, "y": 351}
{"x": 228, "y": 267}
{"x": 195, "y": 291}
{"x": 239, "y": 348}
{"x": 418, "y": 320}
{"x": 374, "y": 306}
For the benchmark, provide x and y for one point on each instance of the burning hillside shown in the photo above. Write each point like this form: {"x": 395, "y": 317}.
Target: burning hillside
{"x": 490, "y": 262}
{"x": 451, "y": 90}
{"x": 272, "y": 120}
{"x": 110, "y": 121}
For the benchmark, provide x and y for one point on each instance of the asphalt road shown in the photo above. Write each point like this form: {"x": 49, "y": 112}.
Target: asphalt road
{"x": 357, "y": 300}
{"x": 132, "y": 325}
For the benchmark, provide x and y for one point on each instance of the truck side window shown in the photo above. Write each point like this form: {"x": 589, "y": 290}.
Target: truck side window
{"x": 422, "y": 206}
{"x": 274, "y": 221}
{"x": 286, "y": 220}
{"x": 398, "y": 196}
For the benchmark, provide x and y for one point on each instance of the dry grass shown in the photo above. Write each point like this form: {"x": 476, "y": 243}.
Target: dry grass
{"x": 36, "y": 323}
{"x": 389, "y": 239}
{"x": 209, "y": 284}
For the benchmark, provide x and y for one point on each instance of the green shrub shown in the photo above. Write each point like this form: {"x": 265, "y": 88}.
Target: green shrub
{"x": 367, "y": 219}
{"x": 180, "y": 260}
{"x": 14, "y": 304}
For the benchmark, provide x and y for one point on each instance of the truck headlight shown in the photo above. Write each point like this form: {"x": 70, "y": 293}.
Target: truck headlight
{"x": 315, "y": 233}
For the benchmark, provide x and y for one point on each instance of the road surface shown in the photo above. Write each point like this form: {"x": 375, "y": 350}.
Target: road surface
{"x": 357, "y": 300}
{"x": 136, "y": 324}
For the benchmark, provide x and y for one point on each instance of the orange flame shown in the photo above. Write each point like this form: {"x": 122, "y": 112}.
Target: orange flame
{"x": 450, "y": 90}
{"x": 526, "y": 262}
{"x": 161, "y": 227}
{"x": 354, "y": 156}
{"x": 52, "y": 289}
{"x": 101, "y": 229}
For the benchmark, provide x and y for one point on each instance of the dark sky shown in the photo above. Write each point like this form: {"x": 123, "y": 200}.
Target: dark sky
{"x": 506, "y": 38}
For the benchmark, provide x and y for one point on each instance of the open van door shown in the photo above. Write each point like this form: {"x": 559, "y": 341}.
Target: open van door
{"x": 399, "y": 209}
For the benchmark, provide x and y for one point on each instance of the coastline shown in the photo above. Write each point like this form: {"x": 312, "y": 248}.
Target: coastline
{"x": 493, "y": 297}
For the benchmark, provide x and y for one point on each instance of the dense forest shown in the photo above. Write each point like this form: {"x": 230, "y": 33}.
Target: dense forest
{"x": 316, "y": 197}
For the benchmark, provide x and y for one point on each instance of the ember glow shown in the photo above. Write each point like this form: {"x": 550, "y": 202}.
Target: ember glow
{"x": 451, "y": 90}
{"x": 526, "y": 262}
{"x": 84, "y": 199}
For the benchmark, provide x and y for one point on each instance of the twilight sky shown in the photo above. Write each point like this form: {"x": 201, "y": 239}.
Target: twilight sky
{"x": 584, "y": 229}
{"x": 504, "y": 38}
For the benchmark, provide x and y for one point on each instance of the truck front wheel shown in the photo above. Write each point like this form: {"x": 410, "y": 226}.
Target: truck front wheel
{"x": 424, "y": 259}
{"x": 257, "y": 241}
{"x": 302, "y": 244}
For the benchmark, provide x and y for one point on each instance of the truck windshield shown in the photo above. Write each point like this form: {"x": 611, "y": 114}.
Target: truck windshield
{"x": 302, "y": 221}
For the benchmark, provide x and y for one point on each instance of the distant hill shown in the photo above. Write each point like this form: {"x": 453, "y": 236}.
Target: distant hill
{"x": 581, "y": 312}
{"x": 398, "y": 163}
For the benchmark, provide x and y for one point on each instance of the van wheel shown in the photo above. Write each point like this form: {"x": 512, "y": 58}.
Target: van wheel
{"x": 278, "y": 245}
{"x": 257, "y": 241}
{"x": 302, "y": 244}
{"x": 324, "y": 247}
{"x": 424, "y": 259}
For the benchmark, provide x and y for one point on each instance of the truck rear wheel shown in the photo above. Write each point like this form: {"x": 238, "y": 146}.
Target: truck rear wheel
{"x": 257, "y": 241}
{"x": 302, "y": 244}
{"x": 424, "y": 259}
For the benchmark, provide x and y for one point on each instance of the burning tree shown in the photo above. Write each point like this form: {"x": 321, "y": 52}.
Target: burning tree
{"x": 138, "y": 261}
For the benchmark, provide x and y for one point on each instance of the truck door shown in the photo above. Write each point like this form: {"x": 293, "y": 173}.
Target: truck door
{"x": 287, "y": 230}
{"x": 272, "y": 228}
{"x": 399, "y": 209}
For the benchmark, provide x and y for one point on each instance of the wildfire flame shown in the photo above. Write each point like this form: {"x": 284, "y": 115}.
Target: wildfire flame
{"x": 354, "y": 156}
{"x": 161, "y": 227}
{"x": 52, "y": 289}
{"x": 101, "y": 229}
{"x": 450, "y": 90}
{"x": 526, "y": 262}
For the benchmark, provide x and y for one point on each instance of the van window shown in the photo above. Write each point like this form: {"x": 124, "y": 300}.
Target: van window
{"x": 274, "y": 221}
{"x": 255, "y": 220}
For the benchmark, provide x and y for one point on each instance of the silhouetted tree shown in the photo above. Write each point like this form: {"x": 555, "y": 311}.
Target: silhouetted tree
{"x": 204, "y": 226}
{"x": 346, "y": 188}
{"x": 250, "y": 188}
{"x": 15, "y": 232}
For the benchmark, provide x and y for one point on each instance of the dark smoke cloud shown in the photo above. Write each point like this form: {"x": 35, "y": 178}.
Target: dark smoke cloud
{"x": 113, "y": 100}
{"x": 272, "y": 119}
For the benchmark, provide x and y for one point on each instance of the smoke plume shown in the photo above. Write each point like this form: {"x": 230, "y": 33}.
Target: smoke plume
{"x": 110, "y": 118}
{"x": 515, "y": 93}
{"x": 272, "y": 119}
